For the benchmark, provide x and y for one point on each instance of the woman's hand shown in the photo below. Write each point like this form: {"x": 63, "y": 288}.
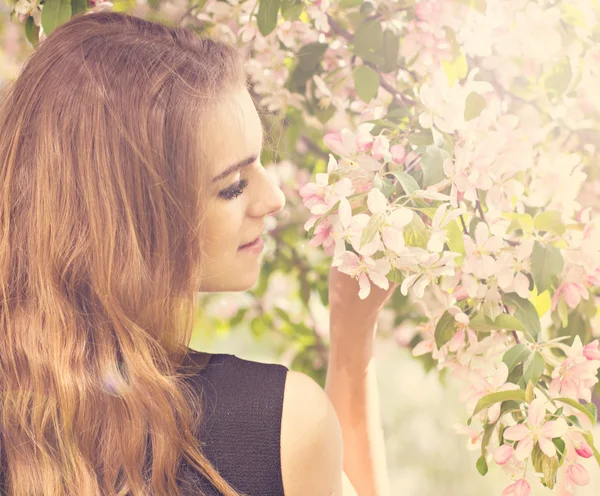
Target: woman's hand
{"x": 347, "y": 308}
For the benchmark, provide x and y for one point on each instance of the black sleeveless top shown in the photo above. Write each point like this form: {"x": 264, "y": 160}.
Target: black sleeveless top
{"x": 241, "y": 426}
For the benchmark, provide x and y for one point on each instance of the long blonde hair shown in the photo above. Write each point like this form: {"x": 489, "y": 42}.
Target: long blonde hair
{"x": 101, "y": 207}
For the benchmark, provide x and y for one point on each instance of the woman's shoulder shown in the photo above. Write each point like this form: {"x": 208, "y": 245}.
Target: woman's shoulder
{"x": 202, "y": 362}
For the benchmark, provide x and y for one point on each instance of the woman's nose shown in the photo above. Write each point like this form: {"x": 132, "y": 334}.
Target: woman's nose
{"x": 269, "y": 198}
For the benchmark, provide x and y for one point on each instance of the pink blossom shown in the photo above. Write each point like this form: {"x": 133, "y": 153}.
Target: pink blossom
{"x": 381, "y": 148}
{"x": 314, "y": 193}
{"x": 349, "y": 228}
{"x": 576, "y": 375}
{"x": 363, "y": 269}
{"x": 577, "y": 475}
{"x": 347, "y": 144}
{"x": 536, "y": 430}
{"x": 584, "y": 450}
{"x": 571, "y": 292}
{"x": 323, "y": 236}
{"x": 479, "y": 260}
{"x": 438, "y": 235}
{"x": 479, "y": 385}
{"x": 519, "y": 488}
{"x": 428, "y": 12}
{"x": 426, "y": 45}
{"x": 503, "y": 454}
{"x": 398, "y": 154}
{"x": 592, "y": 350}
{"x": 430, "y": 267}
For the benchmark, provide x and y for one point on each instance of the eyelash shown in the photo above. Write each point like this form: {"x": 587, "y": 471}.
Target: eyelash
{"x": 237, "y": 190}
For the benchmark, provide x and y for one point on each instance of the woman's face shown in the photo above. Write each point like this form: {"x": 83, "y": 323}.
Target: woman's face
{"x": 239, "y": 198}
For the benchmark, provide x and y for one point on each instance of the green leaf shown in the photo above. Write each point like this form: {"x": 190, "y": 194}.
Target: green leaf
{"x": 420, "y": 139}
{"x": 455, "y": 239}
{"x": 509, "y": 323}
{"x": 428, "y": 211}
{"x": 526, "y": 314}
{"x": 557, "y": 80}
{"x": 445, "y": 329}
{"x": 524, "y": 222}
{"x": 368, "y": 41}
{"x": 482, "y": 323}
{"x": 529, "y": 396}
{"x": 546, "y": 262}
{"x": 456, "y": 69}
{"x": 79, "y": 6}
{"x": 366, "y": 82}
{"x": 432, "y": 164}
{"x": 550, "y": 221}
{"x": 492, "y": 398}
{"x": 560, "y": 446}
{"x": 266, "y": 17}
{"x": 592, "y": 409}
{"x": 291, "y": 9}
{"x": 575, "y": 404}
{"x": 533, "y": 368}
{"x": 395, "y": 275}
{"x": 32, "y": 32}
{"x": 55, "y": 13}
{"x": 391, "y": 48}
{"x": 376, "y": 222}
{"x": 408, "y": 183}
{"x": 348, "y": 4}
{"x": 239, "y": 317}
{"x": 563, "y": 312}
{"x": 515, "y": 355}
{"x": 481, "y": 465}
{"x": 570, "y": 14}
{"x": 309, "y": 56}
{"x": 474, "y": 105}
{"x": 549, "y": 469}
{"x": 415, "y": 233}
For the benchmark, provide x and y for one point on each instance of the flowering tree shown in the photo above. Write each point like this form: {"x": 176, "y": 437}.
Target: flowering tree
{"x": 452, "y": 146}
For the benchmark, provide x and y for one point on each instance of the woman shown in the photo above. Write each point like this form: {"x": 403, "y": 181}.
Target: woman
{"x": 131, "y": 180}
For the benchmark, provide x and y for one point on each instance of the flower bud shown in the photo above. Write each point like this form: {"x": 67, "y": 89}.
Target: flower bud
{"x": 503, "y": 454}
{"x": 592, "y": 350}
{"x": 398, "y": 154}
{"x": 584, "y": 450}
{"x": 578, "y": 474}
{"x": 519, "y": 488}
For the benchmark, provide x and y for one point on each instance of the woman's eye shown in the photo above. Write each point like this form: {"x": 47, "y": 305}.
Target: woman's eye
{"x": 235, "y": 191}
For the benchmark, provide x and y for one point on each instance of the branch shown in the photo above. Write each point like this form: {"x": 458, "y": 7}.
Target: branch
{"x": 480, "y": 210}
{"x": 464, "y": 226}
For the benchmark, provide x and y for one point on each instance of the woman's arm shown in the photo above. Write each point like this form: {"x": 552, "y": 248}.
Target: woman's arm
{"x": 351, "y": 385}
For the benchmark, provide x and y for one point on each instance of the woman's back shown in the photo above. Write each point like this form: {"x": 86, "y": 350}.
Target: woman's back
{"x": 242, "y": 404}
{"x": 267, "y": 429}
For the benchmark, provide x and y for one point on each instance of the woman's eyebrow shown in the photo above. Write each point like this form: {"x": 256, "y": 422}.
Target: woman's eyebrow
{"x": 238, "y": 165}
{"x": 235, "y": 167}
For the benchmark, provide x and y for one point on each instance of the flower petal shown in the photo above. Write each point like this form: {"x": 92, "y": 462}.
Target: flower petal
{"x": 547, "y": 446}
{"x": 536, "y": 412}
{"x": 516, "y": 432}
{"x": 524, "y": 449}
{"x": 555, "y": 428}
